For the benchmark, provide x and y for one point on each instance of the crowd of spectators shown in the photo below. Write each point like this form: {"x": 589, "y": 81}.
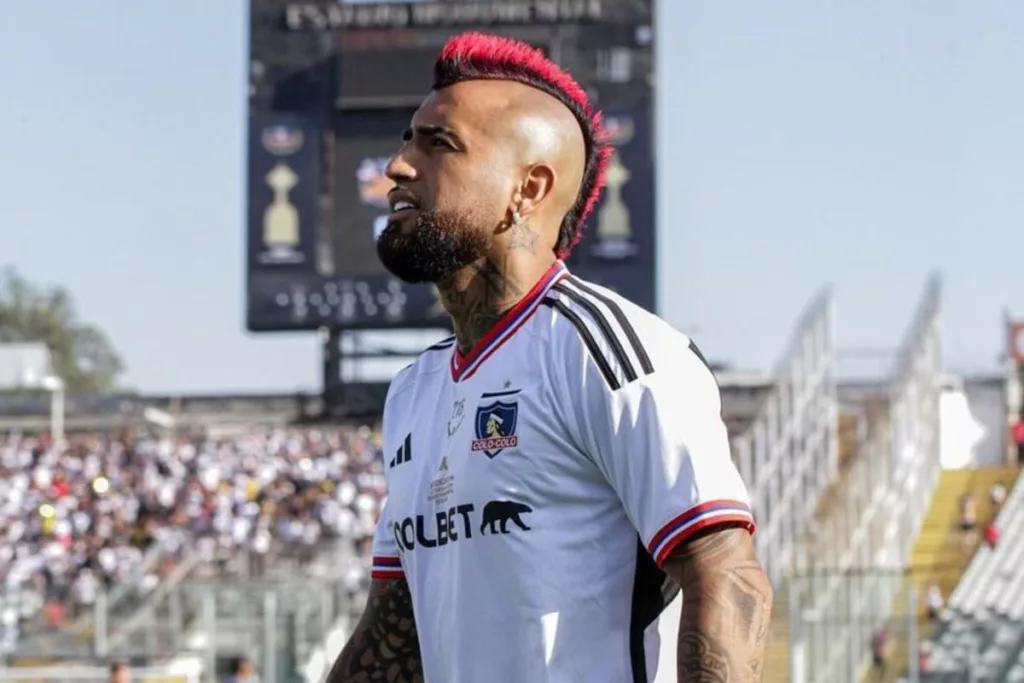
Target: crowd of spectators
{"x": 103, "y": 510}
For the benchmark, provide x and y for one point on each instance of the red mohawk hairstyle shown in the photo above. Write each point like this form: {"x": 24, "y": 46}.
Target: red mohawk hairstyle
{"x": 479, "y": 56}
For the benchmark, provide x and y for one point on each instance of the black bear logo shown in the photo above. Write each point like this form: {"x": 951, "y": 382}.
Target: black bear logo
{"x": 498, "y": 513}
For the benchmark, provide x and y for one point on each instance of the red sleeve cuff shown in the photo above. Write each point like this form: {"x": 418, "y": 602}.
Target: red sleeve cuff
{"x": 386, "y": 567}
{"x": 682, "y": 527}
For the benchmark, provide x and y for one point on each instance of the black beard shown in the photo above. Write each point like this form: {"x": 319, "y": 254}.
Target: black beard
{"x": 435, "y": 250}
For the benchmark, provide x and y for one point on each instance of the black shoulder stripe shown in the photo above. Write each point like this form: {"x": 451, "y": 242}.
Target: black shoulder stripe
{"x": 695, "y": 351}
{"x": 606, "y": 329}
{"x": 620, "y": 317}
{"x": 588, "y": 341}
{"x": 443, "y": 344}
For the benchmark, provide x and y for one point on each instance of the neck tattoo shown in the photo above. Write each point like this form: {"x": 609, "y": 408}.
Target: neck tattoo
{"x": 476, "y": 307}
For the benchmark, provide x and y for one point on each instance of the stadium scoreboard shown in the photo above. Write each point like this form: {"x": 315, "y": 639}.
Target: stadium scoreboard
{"x": 333, "y": 84}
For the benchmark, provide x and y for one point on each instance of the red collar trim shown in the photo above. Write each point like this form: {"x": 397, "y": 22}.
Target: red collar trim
{"x": 463, "y": 366}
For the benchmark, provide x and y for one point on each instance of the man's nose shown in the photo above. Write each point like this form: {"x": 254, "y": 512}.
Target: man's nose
{"x": 399, "y": 170}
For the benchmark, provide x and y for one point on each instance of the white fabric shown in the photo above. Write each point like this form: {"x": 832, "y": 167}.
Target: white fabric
{"x": 531, "y": 481}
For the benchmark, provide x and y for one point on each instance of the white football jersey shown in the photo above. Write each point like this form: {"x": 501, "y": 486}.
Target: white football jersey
{"x": 537, "y": 484}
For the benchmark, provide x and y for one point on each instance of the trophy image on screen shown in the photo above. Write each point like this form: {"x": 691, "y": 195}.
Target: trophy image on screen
{"x": 614, "y": 231}
{"x": 373, "y": 189}
{"x": 281, "y": 218}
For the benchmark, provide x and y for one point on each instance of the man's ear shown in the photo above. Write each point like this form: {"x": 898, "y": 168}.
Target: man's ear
{"x": 537, "y": 186}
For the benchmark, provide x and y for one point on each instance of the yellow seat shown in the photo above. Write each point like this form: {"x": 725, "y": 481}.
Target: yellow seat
{"x": 940, "y": 555}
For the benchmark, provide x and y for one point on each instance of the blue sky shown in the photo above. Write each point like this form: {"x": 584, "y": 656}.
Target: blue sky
{"x": 801, "y": 142}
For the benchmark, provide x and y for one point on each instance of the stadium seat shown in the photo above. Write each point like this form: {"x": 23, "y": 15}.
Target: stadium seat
{"x": 982, "y": 631}
{"x": 941, "y": 558}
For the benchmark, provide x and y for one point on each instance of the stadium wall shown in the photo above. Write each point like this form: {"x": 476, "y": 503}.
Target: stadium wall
{"x": 973, "y": 423}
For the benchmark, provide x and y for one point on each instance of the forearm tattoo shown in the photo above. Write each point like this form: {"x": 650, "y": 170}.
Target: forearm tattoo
{"x": 727, "y": 604}
{"x": 384, "y": 646}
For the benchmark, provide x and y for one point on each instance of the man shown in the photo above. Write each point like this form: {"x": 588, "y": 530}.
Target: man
{"x": 1018, "y": 438}
{"x": 559, "y": 468}
{"x": 242, "y": 671}
{"x": 119, "y": 673}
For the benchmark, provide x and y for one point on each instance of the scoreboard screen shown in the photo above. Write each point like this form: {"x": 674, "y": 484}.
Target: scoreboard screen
{"x": 618, "y": 245}
{"x": 310, "y": 267}
{"x": 364, "y": 142}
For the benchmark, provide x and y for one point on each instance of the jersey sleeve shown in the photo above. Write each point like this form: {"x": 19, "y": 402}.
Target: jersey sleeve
{"x": 661, "y": 443}
{"x": 387, "y": 562}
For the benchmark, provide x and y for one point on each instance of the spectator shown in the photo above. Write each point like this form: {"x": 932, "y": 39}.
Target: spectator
{"x": 998, "y": 495}
{"x": 1018, "y": 439}
{"x": 991, "y": 534}
{"x": 968, "y": 520}
{"x": 242, "y": 671}
{"x": 924, "y": 659}
{"x": 53, "y": 611}
{"x": 968, "y": 513}
{"x": 935, "y": 602}
{"x": 119, "y": 673}
{"x": 879, "y": 648}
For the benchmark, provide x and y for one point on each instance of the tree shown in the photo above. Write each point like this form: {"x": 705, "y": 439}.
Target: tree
{"x": 82, "y": 354}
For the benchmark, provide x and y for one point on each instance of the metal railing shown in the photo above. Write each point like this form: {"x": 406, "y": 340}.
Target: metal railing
{"x": 789, "y": 452}
{"x": 882, "y": 503}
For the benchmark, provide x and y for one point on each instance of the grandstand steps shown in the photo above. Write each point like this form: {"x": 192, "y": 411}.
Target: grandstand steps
{"x": 829, "y": 518}
{"x": 939, "y": 556}
{"x": 831, "y": 502}
{"x": 849, "y": 438}
{"x": 777, "y": 660}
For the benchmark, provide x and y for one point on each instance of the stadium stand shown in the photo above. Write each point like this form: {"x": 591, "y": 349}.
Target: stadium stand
{"x": 939, "y": 559}
{"x": 981, "y": 637}
{"x": 777, "y": 662}
{"x": 832, "y": 470}
{"x": 853, "y": 556}
{"x": 788, "y": 451}
{"x": 109, "y": 524}
{"x": 787, "y": 448}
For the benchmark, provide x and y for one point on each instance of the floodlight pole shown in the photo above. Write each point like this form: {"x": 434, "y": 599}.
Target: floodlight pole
{"x": 55, "y": 385}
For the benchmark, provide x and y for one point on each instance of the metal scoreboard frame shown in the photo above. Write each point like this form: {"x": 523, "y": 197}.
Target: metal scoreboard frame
{"x": 332, "y": 84}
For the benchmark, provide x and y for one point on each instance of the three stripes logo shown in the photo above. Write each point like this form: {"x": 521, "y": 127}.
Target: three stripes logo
{"x": 605, "y": 330}
{"x": 403, "y": 454}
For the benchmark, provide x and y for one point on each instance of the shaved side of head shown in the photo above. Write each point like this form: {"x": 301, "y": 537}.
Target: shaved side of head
{"x": 537, "y": 131}
{"x": 547, "y": 133}
{"x": 478, "y": 57}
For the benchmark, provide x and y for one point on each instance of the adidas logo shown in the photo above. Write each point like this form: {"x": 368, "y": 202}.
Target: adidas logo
{"x": 404, "y": 452}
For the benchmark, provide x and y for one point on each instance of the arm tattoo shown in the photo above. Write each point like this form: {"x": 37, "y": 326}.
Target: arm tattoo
{"x": 727, "y": 604}
{"x": 384, "y": 646}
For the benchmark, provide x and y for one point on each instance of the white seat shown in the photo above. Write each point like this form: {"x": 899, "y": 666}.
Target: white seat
{"x": 984, "y": 624}
{"x": 977, "y": 589}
